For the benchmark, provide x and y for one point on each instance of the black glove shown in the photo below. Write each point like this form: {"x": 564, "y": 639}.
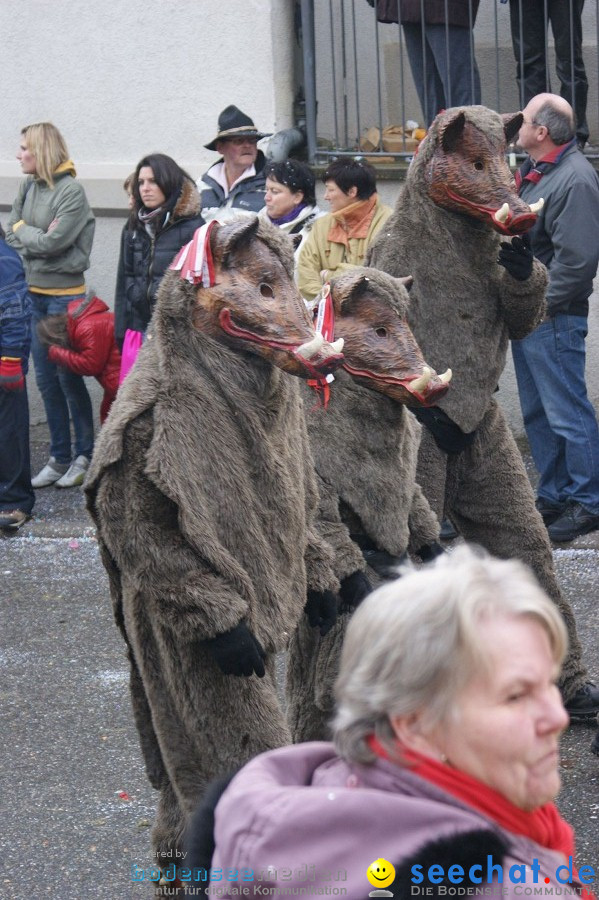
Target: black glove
{"x": 353, "y": 590}
{"x": 517, "y": 257}
{"x": 237, "y": 652}
{"x": 321, "y": 609}
{"x": 430, "y": 551}
{"x": 385, "y": 564}
{"x": 448, "y": 436}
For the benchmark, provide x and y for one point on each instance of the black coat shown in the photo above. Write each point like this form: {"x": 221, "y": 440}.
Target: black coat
{"x": 457, "y": 11}
{"x": 143, "y": 262}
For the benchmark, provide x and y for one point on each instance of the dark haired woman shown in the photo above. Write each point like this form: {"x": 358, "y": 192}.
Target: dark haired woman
{"x": 290, "y": 199}
{"x": 165, "y": 215}
{"x": 340, "y": 239}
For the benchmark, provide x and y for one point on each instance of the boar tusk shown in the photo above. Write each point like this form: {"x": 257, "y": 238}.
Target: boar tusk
{"x": 421, "y": 382}
{"x": 538, "y": 206}
{"x": 311, "y": 348}
{"x": 337, "y": 345}
{"x": 502, "y": 214}
{"x": 446, "y": 376}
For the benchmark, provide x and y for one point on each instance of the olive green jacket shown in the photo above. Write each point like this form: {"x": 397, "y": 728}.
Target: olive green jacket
{"x": 56, "y": 256}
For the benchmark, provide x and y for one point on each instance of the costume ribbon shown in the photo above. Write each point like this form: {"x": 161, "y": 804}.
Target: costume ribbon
{"x": 325, "y": 325}
{"x": 194, "y": 261}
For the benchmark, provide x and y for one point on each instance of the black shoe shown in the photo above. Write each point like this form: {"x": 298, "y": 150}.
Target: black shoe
{"x": 574, "y": 521}
{"x": 595, "y": 744}
{"x": 584, "y": 704}
{"x": 448, "y": 532}
{"x": 13, "y": 520}
{"x": 550, "y": 512}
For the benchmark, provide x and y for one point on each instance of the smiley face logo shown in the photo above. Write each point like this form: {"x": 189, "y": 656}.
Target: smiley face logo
{"x": 380, "y": 873}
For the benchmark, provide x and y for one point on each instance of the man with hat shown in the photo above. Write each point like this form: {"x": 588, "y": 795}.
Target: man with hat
{"x": 236, "y": 183}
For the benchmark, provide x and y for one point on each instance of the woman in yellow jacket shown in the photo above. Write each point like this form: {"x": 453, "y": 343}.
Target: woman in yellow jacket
{"x": 340, "y": 239}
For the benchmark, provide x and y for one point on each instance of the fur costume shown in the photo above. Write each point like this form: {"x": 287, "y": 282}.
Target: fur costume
{"x": 365, "y": 448}
{"x": 203, "y": 492}
{"x": 464, "y": 308}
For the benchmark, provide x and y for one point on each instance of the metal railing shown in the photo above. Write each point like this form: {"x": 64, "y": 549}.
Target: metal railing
{"x": 366, "y": 80}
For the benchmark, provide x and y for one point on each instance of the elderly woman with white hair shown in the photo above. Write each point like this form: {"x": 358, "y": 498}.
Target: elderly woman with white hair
{"x": 445, "y": 758}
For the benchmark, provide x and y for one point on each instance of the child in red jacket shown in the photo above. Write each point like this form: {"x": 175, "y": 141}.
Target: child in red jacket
{"x": 83, "y": 341}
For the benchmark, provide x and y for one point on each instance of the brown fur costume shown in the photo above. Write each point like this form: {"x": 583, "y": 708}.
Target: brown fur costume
{"x": 464, "y": 308}
{"x": 365, "y": 448}
{"x": 203, "y": 492}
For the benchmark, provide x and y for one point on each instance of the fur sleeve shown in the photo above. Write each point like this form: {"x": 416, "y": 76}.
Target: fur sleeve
{"x": 139, "y": 528}
{"x": 523, "y": 302}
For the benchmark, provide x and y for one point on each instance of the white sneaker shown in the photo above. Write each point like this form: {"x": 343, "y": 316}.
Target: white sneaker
{"x": 50, "y": 474}
{"x": 75, "y": 473}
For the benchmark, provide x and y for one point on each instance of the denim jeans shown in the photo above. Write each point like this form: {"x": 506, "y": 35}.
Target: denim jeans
{"x": 558, "y": 416}
{"x": 442, "y": 82}
{"x": 15, "y": 475}
{"x": 62, "y": 391}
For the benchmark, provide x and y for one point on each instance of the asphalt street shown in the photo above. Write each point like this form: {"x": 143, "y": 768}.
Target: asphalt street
{"x": 76, "y": 808}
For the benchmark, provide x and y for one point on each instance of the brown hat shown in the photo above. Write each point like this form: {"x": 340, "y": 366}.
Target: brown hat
{"x": 233, "y": 123}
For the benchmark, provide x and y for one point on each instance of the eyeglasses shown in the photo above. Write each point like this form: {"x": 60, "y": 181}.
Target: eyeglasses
{"x": 238, "y": 141}
{"x": 532, "y": 122}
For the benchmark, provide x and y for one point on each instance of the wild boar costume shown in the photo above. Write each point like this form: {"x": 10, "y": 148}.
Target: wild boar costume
{"x": 203, "y": 492}
{"x": 458, "y": 198}
{"x": 365, "y": 448}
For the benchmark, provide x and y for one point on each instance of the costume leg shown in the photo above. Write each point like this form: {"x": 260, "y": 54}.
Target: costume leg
{"x": 168, "y": 829}
{"x": 491, "y": 499}
{"x": 147, "y": 736}
{"x": 431, "y": 473}
{"x": 206, "y": 723}
{"x": 312, "y": 667}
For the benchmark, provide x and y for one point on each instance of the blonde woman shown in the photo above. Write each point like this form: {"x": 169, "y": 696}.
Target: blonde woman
{"x": 52, "y": 227}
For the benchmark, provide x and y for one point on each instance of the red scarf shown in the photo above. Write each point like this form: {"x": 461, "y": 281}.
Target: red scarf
{"x": 545, "y": 826}
{"x": 534, "y": 171}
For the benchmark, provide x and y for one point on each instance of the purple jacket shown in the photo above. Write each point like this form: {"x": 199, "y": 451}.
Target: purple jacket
{"x": 301, "y": 816}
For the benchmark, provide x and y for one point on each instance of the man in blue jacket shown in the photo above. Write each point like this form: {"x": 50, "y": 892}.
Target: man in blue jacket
{"x": 558, "y": 416}
{"x": 16, "y": 494}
